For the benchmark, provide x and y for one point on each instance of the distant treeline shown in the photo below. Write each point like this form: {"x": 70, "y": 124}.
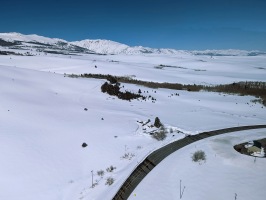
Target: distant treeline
{"x": 253, "y": 88}
{"x": 5, "y": 53}
{"x": 4, "y": 43}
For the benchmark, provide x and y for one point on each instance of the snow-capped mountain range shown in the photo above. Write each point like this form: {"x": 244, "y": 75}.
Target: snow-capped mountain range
{"x": 111, "y": 47}
{"x": 99, "y": 46}
{"x": 11, "y": 37}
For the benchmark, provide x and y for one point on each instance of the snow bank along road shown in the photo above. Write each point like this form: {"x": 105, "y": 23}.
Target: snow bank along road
{"x": 157, "y": 156}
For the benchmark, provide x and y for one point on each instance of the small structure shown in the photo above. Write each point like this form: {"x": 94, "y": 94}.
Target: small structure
{"x": 253, "y": 147}
{"x": 259, "y": 154}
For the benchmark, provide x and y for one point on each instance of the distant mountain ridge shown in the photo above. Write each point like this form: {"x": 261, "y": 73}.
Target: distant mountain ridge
{"x": 11, "y": 37}
{"x": 103, "y": 46}
{"x": 111, "y": 47}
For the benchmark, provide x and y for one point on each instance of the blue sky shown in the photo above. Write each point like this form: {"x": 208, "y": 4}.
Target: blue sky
{"x": 179, "y": 24}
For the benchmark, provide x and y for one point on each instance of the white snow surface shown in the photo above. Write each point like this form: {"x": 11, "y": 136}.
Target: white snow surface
{"x": 185, "y": 69}
{"x": 43, "y": 125}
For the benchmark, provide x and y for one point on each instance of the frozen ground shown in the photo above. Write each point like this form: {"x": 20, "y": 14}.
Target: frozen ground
{"x": 43, "y": 123}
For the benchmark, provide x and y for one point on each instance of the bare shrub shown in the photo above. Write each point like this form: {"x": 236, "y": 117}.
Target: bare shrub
{"x": 139, "y": 147}
{"x": 100, "y": 173}
{"x": 162, "y": 128}
{"x": 111, "y": 168}
{"x": 109, "y": 181}
{"x": 94, "y": 184}
{"x": 159, "y": 135}
{"x": 114, "y": 90}
{"x": 199, "y": 156}
{"x": 128, "y": 156}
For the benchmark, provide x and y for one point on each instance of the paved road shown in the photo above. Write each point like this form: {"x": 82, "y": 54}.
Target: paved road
{"x": 157, "y": 156}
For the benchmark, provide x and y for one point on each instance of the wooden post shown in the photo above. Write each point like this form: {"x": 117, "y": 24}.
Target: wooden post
{"x": 91, "y": 178}
{"x": 180, "y": 189}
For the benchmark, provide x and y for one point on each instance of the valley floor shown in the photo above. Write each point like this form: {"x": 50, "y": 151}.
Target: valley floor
{"x": 43, "y": 123}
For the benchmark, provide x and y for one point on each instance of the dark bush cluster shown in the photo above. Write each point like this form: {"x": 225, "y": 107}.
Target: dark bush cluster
{"x": 5, "y": 53}
{"x": 7, "y": 43}
{"x": 159, "y": 135}
{"x": 111, "y": 79}
{"x": 113, "y": 89}
{"x": 157, "y": 122}
{"x": 257, "y": 89}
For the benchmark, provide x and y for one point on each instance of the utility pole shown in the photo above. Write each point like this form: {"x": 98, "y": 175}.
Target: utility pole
{"x": 180, "y": 189}
{"x": 91, "y": 178}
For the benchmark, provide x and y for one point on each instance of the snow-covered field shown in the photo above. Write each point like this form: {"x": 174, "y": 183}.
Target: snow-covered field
{"x": 183, "y": 68}
{"x": 43, "y": 125}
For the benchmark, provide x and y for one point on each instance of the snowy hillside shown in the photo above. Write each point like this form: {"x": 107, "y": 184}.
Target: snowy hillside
{"x": 46, "y": 117}
{"x": 111, "y": 47}
{"x": 102, "y": 46}
{"x": 19, "y": 44}
{"x": 29, "y": 38}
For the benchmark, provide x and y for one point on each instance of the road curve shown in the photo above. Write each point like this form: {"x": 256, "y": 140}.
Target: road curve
{"x": 157, "y": 156}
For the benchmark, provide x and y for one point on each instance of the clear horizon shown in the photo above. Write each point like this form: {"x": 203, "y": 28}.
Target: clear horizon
{"x": 177, "y": 24}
